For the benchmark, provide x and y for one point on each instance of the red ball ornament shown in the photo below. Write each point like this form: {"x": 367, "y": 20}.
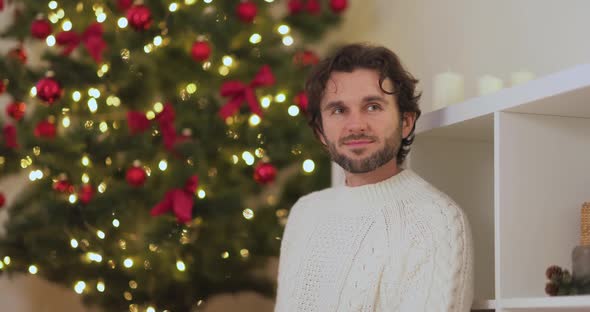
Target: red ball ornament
{"x": 338, "y": 6}
{"x": 86, "y": 193}
{"x": 305, "y": 58}
{"x": 16, "y": 110}
{"x": 313, "y": 7}
{"x": 139, "y": 17}
{"x": 295, "y": 6}
{"x": 264, "y": 173}
{"x": 19, "y": 54}
{"x": 3, "y": 86}
{"x": 2, "y": 200}
{"x": 124, "y": 5}
{"x": 48, "y": 90}
{"x": 301, "y": 101}
{"x": 136, "y": 176}
{"x": 63, "y": 186}
{"x": 246, "y": 11}
{"x": 41, "y": 29}
{"x": 45, "y": 129}
{"x": 201, "y": 51}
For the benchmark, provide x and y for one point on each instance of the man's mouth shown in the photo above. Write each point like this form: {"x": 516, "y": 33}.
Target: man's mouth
{"x": 357, "y": 143}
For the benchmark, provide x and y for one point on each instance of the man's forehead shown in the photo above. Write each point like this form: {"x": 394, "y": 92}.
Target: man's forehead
{"x": 359, "y": 81}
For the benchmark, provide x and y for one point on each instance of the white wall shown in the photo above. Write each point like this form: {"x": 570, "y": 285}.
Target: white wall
{"x": 473, "y": 37}
{"x": 470, "y": 37}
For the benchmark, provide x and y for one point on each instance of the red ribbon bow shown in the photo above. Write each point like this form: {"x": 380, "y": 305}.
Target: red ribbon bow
{"x": 240, "y": 92}
{"x": 138, "y": 123}
{"x": 91, "y": 37}
{"x": 179, "y": 201}
{"x": 9, "y": 132}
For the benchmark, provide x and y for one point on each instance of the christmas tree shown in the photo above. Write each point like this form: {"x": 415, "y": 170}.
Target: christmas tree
{"x": 164, "y": 141}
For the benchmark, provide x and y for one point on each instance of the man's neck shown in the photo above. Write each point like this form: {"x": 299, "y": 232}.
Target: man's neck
{"x": 382, "y": 173}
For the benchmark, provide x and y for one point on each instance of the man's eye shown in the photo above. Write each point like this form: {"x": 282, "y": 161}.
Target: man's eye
{"x": 373, "y": 107}
{"x": 337, "y": 111}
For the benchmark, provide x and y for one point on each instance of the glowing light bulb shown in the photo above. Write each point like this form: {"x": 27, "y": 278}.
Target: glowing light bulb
{"x": 180, "y": 266}
{"x": 100, "y": 286}
{"x": 101, "y": 17}
{"x": 288, "y": 40}
{"x": 308, "y": 165}
{"x": 116, "y": 223}
{"x": 254, "y": 120}
{"x": 50, "y": 40}
{"x": 65, "y": 121}
{"x": 128, "y": 263}
{"x": 227, "y": 60}
{"x": 163, "y": 165}
{"x": 248, "y": 213}
{"x": 281, "y": 97}
{"x": 265, "y": 102}
{"x": 248, "y": 158}
{"x": 122, "y": 22}
{"x": 293, "y": 110}
{"x": 79, "y": 287}
{"x": 66, "y": 25}
{"x": 73, "y": 243}
{"x": 283, "y": 29}
{"x": 100, "y": 234}
{"x": 33, "y": 269}
{"x": 92, "y": 256}
{"x": 158, "y": 107}
{"x": 255, "y": 38}
{"x": 76, "y": 96}
{"x": 92, "y": 105}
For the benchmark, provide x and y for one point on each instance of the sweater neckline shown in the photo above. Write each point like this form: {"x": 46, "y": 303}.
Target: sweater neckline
{"x": 404, "y": 185}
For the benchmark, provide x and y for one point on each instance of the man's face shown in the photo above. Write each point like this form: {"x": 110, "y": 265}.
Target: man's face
{"x": 362, "y": 125}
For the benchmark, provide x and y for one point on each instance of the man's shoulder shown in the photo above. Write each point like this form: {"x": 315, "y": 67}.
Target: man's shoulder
{"x": 434, "y": 199}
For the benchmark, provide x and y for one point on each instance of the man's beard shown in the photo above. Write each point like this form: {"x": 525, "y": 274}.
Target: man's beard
{"x": 371, "y": 162}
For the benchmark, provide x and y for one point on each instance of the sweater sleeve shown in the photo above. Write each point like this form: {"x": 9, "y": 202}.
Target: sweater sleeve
{"x": 286, "y": 257}
{"x": 437, "y": 270}
{"x": 452, "y": 285}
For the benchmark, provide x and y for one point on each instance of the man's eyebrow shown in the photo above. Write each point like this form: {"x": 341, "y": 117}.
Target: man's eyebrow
{"x": 373, "y": 98}
{"x": 332, "y": 104}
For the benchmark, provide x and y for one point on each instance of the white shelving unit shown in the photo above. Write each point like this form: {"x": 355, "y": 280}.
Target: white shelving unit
{"x": 518, "y": 163}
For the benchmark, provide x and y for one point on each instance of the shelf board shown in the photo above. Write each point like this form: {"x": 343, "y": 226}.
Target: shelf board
{"x": 564, "y": 93}
{"x": 483, "y": 305}
{"x": 558, "y": 303}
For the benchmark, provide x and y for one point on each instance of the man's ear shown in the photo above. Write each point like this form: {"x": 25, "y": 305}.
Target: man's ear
{"x": 320, "y": 134}
{"x": 408, "y": 121}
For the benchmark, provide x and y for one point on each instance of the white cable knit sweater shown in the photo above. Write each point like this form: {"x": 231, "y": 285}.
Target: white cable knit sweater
{"x": 397, "y": 245}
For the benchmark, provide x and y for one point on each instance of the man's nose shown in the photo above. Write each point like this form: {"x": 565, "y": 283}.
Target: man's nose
{"x": 356, "y": 123}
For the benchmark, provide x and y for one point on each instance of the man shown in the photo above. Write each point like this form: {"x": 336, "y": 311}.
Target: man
{"x": 386, "y": 240}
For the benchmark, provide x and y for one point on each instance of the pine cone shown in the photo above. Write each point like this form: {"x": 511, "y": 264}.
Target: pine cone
{"x": 551, "y": 289}
{"x": 554, "y": 273}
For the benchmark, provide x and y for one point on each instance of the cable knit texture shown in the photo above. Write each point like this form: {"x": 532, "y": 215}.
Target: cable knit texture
{"x": 397, "y": 245}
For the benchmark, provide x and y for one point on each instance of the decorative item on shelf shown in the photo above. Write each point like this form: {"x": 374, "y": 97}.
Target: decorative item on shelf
{"x": 521, "y": 77}
{"x": 561, "y": 282}
{"x": 581, "y": 253}
{"x": 448, "y": 89}
{"x": 489, "y": 84}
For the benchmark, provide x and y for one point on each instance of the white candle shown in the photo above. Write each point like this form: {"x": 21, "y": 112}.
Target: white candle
{"x": 448, "y": 89}
{"x": 489, "y": 84}
{"x": 521, "y": 77}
